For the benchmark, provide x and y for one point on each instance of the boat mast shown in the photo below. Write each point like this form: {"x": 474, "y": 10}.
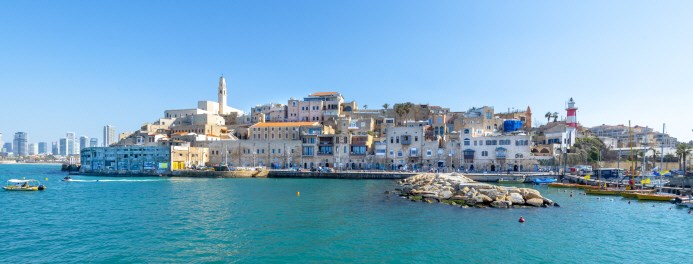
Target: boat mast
{"x": 644, "y": 153}
{"x": 630, "y": 142}
{"x": 661, "y": 156}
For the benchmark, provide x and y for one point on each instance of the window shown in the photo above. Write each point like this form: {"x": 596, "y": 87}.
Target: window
{"x": 399, "y": 153}
{"x": 466, "y": 142}
{"x": 429, "y": 152}
{"x": 484, "y": 153}
{"x": 416, "y": 138}
{"x": 308, "y": 151}
{"x": 466, "y": 131}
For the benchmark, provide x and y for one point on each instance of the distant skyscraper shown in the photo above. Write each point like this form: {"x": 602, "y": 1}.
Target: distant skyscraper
{"x": 109, "y": 135}
{"x": 93, "y": 142}
{"x": 42, "y": 148}
{"x": 7, "y": 147}
{"x": 1, "y": 144}
{"x": 62, "y": 145}
{"x": 32, "y": 149}
{"x": 83, "y": 142}
{"x": 20, "y": 144}
{"x": 71, "y": 143}
{"x": 55, "y": 148}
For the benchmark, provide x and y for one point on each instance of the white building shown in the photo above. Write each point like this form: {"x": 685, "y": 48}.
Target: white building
{"x": 72, "y": 147}
{"x": 33, "y": 149}
{"x": 497, "y": 153}
{"x": 109, "y": 136}
{"x": 83, "y": 142}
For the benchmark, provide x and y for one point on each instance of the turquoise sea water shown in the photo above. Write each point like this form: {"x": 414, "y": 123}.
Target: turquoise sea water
{"x": 165, "y": 220}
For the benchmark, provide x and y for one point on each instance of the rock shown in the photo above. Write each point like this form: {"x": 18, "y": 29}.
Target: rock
{"x": 458, "y": 197}
{"x": 489, "y": 192}
{"x": 515, "y": 198}
{"x": 470, "y": 202}
{"x": 501, "y": 204}
{"x": 535, "y": 202}
{"x": 530, "y": 193}
{"x": 547, "y": 201}
{"x": 445, "y": 194}
{"x": 485, "y": 198}
{"x": 430, "y": 194}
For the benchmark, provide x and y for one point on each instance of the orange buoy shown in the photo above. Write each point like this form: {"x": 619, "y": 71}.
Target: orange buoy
{"x": 522, "y": 219}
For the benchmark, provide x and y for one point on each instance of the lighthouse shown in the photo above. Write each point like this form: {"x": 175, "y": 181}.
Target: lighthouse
{"x": 571, "y": 118}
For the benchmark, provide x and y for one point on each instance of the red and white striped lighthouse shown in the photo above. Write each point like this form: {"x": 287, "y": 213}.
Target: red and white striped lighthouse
{"x": 571, "y": 118}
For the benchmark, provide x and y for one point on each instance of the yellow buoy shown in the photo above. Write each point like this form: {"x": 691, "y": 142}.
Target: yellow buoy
{"x": 298, "y": 193}
{"x": 46, "y": 178}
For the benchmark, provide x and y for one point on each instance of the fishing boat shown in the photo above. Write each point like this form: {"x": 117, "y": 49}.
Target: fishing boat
{"x": 656, "y": 196}
{"x": 563, "y": 185}
{"x": 23, "y": 185}
{"x": 608, "y": 191}
{"x": 543, "y": 180}
{"x": 634, "y": 193}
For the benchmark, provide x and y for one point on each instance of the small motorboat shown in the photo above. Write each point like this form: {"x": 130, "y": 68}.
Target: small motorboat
{"x": 656, "y": 196}
{"x": 23, "y": 185}
{"x": 67, "y": 178}
{"x": 543, "y": 180}
{"x": 607, "y": 191}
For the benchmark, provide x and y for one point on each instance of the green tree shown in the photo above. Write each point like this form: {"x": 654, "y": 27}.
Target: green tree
{"x": 548, "y": 116}
{"x": 682, "y": 151}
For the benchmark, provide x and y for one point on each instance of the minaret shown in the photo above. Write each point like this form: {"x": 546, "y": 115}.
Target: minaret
{"x": 222, "y": 95}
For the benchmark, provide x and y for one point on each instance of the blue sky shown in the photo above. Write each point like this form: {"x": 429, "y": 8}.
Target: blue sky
{"x": 79, "y": 65}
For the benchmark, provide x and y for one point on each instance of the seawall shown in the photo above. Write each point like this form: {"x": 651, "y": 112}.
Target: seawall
{"x": 341, "y": 175}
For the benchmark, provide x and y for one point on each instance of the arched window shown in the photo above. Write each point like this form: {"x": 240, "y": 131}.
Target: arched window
{"x": 466, "y": 131}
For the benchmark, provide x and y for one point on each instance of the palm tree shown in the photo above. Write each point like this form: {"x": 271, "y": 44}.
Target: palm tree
{"x": 683, "y": 150}
{"x": 385, "y": 106}
{"x": 555, "y": 116}
{"x": 548, "y": 117}
{"x": 365, "y": 107}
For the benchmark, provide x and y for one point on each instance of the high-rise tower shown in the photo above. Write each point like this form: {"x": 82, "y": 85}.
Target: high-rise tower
{"x": 222, "y": 95}
{"x": 571, "y": 117}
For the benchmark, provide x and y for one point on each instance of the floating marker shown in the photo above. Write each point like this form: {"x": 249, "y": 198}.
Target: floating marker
{"x": 46, "y": 178}
{"x": 298, "y": 193}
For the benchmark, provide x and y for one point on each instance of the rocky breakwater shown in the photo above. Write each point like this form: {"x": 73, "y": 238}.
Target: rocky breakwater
{"x": 456, "y": 189}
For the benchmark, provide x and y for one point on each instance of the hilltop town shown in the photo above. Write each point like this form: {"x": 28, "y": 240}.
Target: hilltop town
{"x": 323, "y": 130}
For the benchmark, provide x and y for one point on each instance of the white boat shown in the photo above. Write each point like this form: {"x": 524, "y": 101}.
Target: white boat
{"x": 23, "y": 185}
